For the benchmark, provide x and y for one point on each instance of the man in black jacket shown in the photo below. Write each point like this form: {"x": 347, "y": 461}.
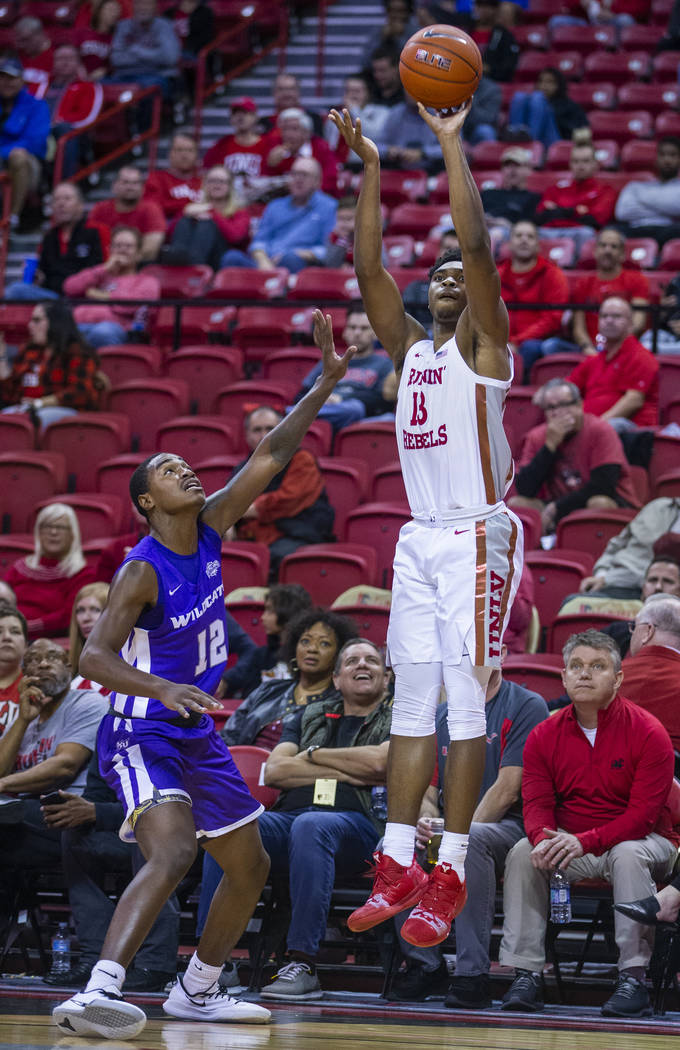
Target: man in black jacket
{"x": 68, "y": 247}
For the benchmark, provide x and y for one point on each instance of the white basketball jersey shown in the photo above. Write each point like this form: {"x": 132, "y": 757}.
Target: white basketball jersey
{"x": 454, "y": 454}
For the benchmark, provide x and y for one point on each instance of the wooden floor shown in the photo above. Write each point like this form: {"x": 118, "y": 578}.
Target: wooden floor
{"x": 350, "y": 1023}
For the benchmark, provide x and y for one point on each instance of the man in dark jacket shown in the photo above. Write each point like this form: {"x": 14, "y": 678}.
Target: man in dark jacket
{"x": 68, "y": 247}
{"x": 24, "y": 127}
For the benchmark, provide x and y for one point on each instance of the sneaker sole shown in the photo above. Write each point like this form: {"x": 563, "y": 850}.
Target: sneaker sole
{"x": 526, "y": 1008}
{"x": 283, "y": 997}
{"x": 374, "y": 920}
{"x": 459, "y": 1004}
{"x": 101, "y": 1017}
{"x": 646, "y": 1012}
{"x": 250, "y": 1014}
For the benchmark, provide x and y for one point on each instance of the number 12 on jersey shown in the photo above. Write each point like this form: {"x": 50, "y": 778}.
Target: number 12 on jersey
{"x": 211, "y": 647}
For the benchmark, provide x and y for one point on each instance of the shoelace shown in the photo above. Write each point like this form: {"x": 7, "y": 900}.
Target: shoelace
{"x": 292, "y": 970}
{"x": 525, "y": 982}
{"x": 215, "y": 991}
{"x": 627, "y": 987}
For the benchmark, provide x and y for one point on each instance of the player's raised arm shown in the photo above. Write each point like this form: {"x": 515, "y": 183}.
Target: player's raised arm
{"x": 484, "y": 325}
{"x": 225, "y": 507}
{"x": 395, "y": 329}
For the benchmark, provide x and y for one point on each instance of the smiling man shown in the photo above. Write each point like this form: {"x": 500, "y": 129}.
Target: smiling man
{"x": 161, "y": 647}
{"x": 595, "y": 790}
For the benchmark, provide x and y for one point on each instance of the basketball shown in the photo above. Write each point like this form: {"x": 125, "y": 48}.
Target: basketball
{"x": 440, "y": 66}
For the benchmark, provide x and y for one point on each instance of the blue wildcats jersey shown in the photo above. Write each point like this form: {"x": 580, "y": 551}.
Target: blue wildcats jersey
{"x": 184, "y": 637}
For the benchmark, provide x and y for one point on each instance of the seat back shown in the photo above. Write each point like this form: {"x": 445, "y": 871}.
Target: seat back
{"x": 375, "y": 443}
{"x": 573, "y": 623}
{"x": 205, "y": 369}
{"x": 326, "y": 570}
{"x": 197, "y": 438}
{"x": 98, "y": 515}
{"x": 591, "y": 530}
{"x": 388, "y": 485}
{"x": 148, "y": 404}
{"x": 17, "y": 433}
{"x": 346, "y": 483}
{"x": 26, "y": 478}
{"x": 378, "y": 524}
{"x": 250, "y": 762}
{"x": 553, "y": 580}
{"x": 13, "y": 546}
{"x": 248, "y": 614}
{"x": 371, "y": 621}
{"x": 85, "y": 440}
{"x": 244, "y": 564}
{"x": 126, "y": 361}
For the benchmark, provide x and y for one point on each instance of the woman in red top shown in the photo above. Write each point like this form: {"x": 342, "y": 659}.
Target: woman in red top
{"x": 55, "y": 373}
{"x": 210, "y": 226}
{"x": 87, "y": 608}
{"x": 47, "y": 581}
{"x": 94, "y": 36}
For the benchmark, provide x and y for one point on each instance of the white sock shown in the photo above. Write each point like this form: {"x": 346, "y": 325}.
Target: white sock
{"x": 104, "y": 974}
{"x": 399, "y": 843}
{"x": 453, "y": 850}
{"x": 199, "y": 976}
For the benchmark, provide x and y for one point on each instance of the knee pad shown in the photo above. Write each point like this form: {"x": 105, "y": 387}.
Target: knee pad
{"x": 416, "y": 694}
{"x": 466, "y": 696}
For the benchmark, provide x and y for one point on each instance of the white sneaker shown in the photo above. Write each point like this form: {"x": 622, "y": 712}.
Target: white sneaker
{"x": 103, "y": 1011}
{"x": 213, "y": 1005}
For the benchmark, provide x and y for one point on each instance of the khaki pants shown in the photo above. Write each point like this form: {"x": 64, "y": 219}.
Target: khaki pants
{"x": 631, "y": 867}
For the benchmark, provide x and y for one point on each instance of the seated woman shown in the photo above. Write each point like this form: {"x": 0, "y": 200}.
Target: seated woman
{"x": 87, "y": 608}
{"x": 95, "y": 38}
{"x": 210, "y": 226}
{"x": 47, "y": 581}
{"x": 313, "y": 641}
{"x": 283, "y": 602}
{"x": 55, "y": 373}
{"x": 117, "y": 278}
{"x": 546, "y": 113}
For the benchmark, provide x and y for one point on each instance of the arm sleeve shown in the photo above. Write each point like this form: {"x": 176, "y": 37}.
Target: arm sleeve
{"x": 78, "y": 283}
{"x": 34, "y": 136}
{"x": 301, "y": 487}
{"x": 602, "y": 482}
{"x": 533, "y": 710}
{"x": 234, "y": 228}
{"x": 292, "y": 729}
{"x": 602, "y": 208}
{"x": 534, "y": 473}
{"x": 538, "y": 789}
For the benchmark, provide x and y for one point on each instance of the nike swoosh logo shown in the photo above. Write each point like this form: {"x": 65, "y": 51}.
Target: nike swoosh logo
{"x": 176, "y": 589}
{"x": 459, "y": 532}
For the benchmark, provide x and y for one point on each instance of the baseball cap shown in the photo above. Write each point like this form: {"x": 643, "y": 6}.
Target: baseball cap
{"x": 11, "y": 66}
{"x": 245, "y": 103}
{"x": 516, "y": 155}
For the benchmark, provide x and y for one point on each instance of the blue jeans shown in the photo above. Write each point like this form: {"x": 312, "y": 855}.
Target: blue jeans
{"x": 19, "y": 291}
{"x": 309, "y": 847}
{"x": 482, "y": 133}
{"x": 533, "y": 111}
{"x": 290, "y": 260}
{"x": 103, "y": 333}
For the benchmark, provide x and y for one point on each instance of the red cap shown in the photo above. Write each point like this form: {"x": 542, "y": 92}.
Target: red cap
{"x": 244, "y": 103}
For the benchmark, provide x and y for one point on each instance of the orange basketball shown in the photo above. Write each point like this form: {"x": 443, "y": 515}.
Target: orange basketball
{"x": 440, "y": 66}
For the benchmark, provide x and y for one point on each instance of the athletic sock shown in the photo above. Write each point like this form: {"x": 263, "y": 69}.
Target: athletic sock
{"x": 453, "y": 850}
{"x": 399, "y": 843}
{"x": 104, "y": 974}
{"x": 199, "y": 976}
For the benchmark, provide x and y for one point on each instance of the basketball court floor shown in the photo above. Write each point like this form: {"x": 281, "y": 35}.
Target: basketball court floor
{"x": 346, "y": 1022}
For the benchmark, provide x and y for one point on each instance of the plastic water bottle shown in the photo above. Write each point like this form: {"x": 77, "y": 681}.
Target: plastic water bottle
{"x": 61, "y": 950}
{"x": 379, "y": 802}
{"x": 560, "y": 897}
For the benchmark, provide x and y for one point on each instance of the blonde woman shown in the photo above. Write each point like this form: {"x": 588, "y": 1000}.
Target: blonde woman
{"x": 87, "y": 608}
{"x": 47, "y": 581}
{"x": 211, "y": 225}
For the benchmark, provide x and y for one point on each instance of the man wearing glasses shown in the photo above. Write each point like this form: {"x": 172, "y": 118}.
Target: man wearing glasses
{"x": 573, "y": 460}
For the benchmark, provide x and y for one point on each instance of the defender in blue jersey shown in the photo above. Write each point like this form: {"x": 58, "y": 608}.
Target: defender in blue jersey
{"x": 161, "y": 646}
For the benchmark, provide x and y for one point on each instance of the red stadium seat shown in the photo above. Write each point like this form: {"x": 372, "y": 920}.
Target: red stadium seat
{"x": 488, "y": 154}
{"x": 237, "y": 282}
{"x": 554, "y": 579}
{"x": 378, "y": 524}
{"x": 667, "y": 485}
{"x": 26, "y": 478}
{"x": 148, "y": 404}
{"x": 638, "y": 156}
{"x": 652, "y": 97}
{"x": 583, "y": 38}
{"x": 665, "y": 66}
{"x": 85, "y": 440}
{"x": 540, "y": 181}
{"x": 621, "y": 127}
{"x": 617, "y": 67}
{"x": 346, "y": 482}
{"x": 271, "y": 327}
{"x": 665, "y": 456}
{"x": 564, "y": 626}
{"x": 375, "y": 443}
{"x": 205, "y": 369}
{"x": 418, "y": 219}
{"x": 661, "y": 12}
{"x": 607, "y": 153}
{"x": 400, "y": 187}
{"x": 181, "y": 282}
{"x": 244, "y": 564}
{"x": 199, "y": 437}
{"x": 319, "y": 438}
{"x": 250, "y": 761}
{"x": 128, "y": 361}
{"x": 670, "y": 255}
{"x": 539, "y": 672}
{"x": 14, "y": 320}
{"x": 291, "y": 365}
{"x": 636, "y": 37}
{"x": 399, "y": 250}
{"x": 591, "y": 530}
{"x": 556, "y": 366}
{"x": 17, "y": 433}
{"x": 405, "y": 275}
{"x": 531, "y": 63}
{"x": 530, "y": 37}
{"x": 487, "y": 180}
{"x": 326, "y": 570}
{"x": 388, "y": 485}
{"x": 667, "y": 123}
{"x": 324, "y": 285}
{"x": 98, "y": 515}
{"x": 215, "y": 471}
{"x": 197, "y": 323}
{"x": 520, "y": 412}
{"x": 531, "y": 523}
{"x": 113, "y": 477}
{"x": 248, "y": 614}
{"x": 237, "y": 399}
{"x": 13, "y": 546}
{"x": 560, "y": 250}
{"x": 558, "y": 155}
{"x": 371, "y": 621}
{"x": 593, "y": 96}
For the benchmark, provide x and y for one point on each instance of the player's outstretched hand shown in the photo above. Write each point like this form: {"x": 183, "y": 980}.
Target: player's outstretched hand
{"x": 446, "y": 123}
{"x": 186, "y": 698}
{"x": 364, "y": 148}
{"x": 334, "y": 366}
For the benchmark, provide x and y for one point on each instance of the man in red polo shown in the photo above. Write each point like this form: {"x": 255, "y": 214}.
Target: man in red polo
{"x": 621, "y": 382}
{"x": 244, "y": 152}
{"x": 611, "y": 277}
{"x": 652, "y": 668}
{"x": 576, "y": 206}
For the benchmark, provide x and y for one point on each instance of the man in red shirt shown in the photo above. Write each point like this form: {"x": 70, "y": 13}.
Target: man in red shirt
{"x": 611, "y": 277}
{"x": 620, "y": 383}
{"x": 527, "y": 277}
{"x": 13, "y": 643}
{"x": 576, "y": 206}
{"x": 126, "y": 208}
{"x": 244, "y": 152}
{"x": 652, "y": 668}
{"x": 180, "y": 183}
{"x": 35, "y": 52}
{"x": 595, "y": 791}
{"x": 571, "y": 461}
{"x": 293, "y": 138}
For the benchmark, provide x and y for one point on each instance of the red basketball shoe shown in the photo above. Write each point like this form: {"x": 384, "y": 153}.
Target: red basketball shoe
{"x": 394, "y": 888}
{"x": 430, "y": 922}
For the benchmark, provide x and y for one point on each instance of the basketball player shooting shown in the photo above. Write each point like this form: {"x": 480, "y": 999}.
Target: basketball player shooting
{"x": 457, "y": 563}
{"x": 161, "y": 647}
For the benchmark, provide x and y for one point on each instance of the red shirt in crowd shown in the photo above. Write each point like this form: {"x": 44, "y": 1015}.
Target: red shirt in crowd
{"x": 146, "y": 217}
{"x": 316, "y": 148}
{"x": 630, "y": 284}
{"x": 45, "y": 595}
{"x": 595, "y": 444}
{"x": 652, "y": 680}
{"x": 9, "y": 703}
{"x": 598, "y": 199}
{"x": 172, "y": 192}
{"x": 94, "y": 48}
{"x": 244, "y": 162}
{"x": 615, "y": 790}
{"x": 34, "y": 374}
{"x": 603, "y": 382}
{"x": 301, "y": 486}
{"x": 545, "y": 282}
